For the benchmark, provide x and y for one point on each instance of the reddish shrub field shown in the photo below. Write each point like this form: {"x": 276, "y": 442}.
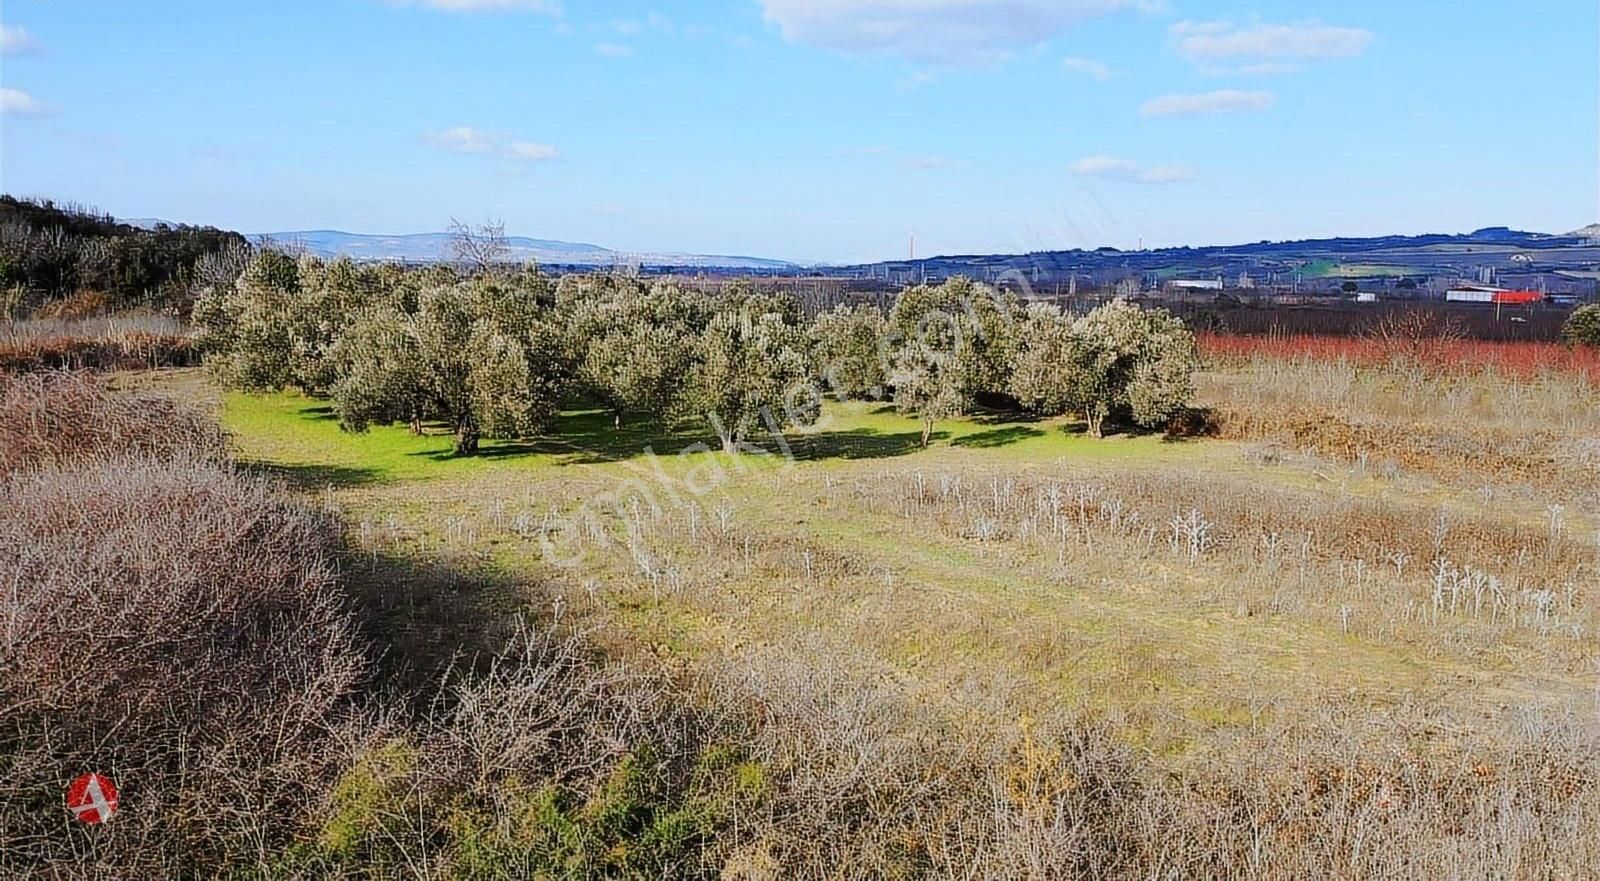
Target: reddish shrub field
{"x": 1512, "y": 358}
{"x": 138, "y": 342}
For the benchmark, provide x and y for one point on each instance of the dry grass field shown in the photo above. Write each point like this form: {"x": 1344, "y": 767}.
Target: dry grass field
{"x": 1353, "y": 637}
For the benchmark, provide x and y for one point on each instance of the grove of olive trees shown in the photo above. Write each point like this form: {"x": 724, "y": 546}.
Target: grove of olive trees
{"x": 490, "y": 352}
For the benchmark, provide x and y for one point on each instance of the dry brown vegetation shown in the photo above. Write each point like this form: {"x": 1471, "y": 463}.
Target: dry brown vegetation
{"x": 917, "y": 766}
{"x": 175, "y": 626}
{"x": 130, "y": 342}
{"x": 57, "y": 417}
{"x": 1466, "y": 425}
{"x": 1225, "y": 661}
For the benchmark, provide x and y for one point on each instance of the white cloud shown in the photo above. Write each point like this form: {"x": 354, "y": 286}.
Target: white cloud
{"x": 543, "y": 7}
{"x": 477, "y": 141}
{"x": 16, "y": 41}
{"x": 1165, "y": 174}
{"x": 462, "y": 139}
{"x": 1224, "y": 101}
{"x": 941, "y": 31}
{"x": 1127, "y": 170}
{"x": 613, "y": 50}
{"x": 15, "y": 102}
{"x": 1220, "y": 40}
{"x": 1095, "y": 69}
{"x": 528, "y": 151}
{"x": 1265, "y": 68}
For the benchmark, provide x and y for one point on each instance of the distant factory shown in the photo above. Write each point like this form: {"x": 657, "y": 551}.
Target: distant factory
{"x": 1494, "y": 296}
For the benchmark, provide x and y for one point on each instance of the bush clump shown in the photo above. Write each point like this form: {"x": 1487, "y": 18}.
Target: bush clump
{"x": 57, "y": 418}
{"x": 176, "y": 625}
{"x": 1117, "y": 362}
{"x": 1583, "y": 326}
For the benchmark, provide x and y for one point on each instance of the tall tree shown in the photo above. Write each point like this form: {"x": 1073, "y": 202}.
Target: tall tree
{"x": 1117, "y": 361}
{"x": 638, "y": 347}
{"x": 929, "y": 384}
{"x": 482, "y": 355}
{"x": 753, "y": 371}
{"x": 973, "y": 323}
{"x": 849, "y": 348}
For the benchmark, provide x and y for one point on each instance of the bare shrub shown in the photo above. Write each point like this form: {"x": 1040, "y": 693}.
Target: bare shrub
{"x": 133, "y": 341}
{"x": 176, "y": 626}
{"x": 1360, "y": 794}
{"x": 1416, "y": 336}
{"x": 866, "y": 774}
{"x": 54, "y": 418}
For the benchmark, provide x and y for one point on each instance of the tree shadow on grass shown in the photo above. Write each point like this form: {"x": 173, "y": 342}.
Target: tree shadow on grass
{"x": 1004, "y": 417}
{"x": 424, "y": 619}
{"x": 858, "y": 443}
{"x": 321, "y": 412}
{"x": 588, "y": 437}
{"x": 313, "y": 477}
{"x": 998, "y": 437}
{"x": 591, "y": 438}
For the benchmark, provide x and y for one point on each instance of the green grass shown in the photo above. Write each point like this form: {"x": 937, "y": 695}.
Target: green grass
{"x": 1330, "y": 269}
{"x": 298, "y": 438}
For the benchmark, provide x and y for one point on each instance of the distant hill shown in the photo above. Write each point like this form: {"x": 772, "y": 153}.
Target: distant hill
{"x": 1510, "y": 254}
{"x": 428, "y": 247}
{"x": 1592, "y": 231}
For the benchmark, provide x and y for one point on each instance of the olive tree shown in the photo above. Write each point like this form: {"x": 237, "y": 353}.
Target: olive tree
{"x": 276, "y": 325}
{"x": 1055, "y": 371}
{"x": 481, "y": 356}
{"x": 929, "y": 384}
{"x": 1119, "y": 360}
{"x": 1582, "y": 327}
{"x": 637, "y": 348}
{"x": 244, "y": 329}
{"x": 849, "y": 350}
{"x": 973, "y": 323}
{"x": 382, "y": 378}
{"x": 752, "y": 369}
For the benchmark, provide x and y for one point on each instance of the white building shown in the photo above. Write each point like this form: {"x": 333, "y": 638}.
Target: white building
{"x": 1472, "y": 294}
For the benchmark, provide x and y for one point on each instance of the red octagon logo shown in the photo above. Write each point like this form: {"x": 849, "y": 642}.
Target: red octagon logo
{"x": 92, "y": 798}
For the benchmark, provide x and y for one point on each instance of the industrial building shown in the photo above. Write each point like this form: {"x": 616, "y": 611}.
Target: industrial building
{"x": 1492, "y": 296}
{"x": 1203, "y": 284}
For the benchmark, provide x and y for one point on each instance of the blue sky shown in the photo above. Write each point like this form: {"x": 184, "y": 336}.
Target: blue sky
{"x": 812, "y": 129}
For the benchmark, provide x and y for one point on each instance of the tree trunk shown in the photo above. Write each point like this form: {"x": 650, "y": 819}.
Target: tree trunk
{"x": 730, "y": 445}
{"x": 416, "y": 424}
{"x": 616, "y": 418}
{"x": 927, "y": 432}
{"x": 466, "y": 436}
{"x": 1097, "y": 424}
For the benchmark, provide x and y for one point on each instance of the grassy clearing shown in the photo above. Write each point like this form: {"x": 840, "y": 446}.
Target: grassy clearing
{"x": 299, "y": 437}
{"x": 1163, "y": 644}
